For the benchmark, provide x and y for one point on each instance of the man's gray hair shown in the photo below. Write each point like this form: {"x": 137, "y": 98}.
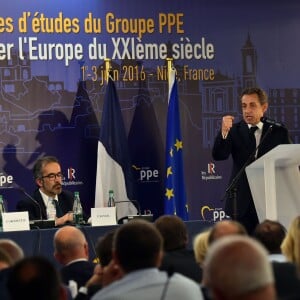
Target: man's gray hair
{"x": 236, "y": 265}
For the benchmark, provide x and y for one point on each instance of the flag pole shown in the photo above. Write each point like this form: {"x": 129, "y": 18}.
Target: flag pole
{"x": 170, "y": 78}
{"x": 107, "y": 68}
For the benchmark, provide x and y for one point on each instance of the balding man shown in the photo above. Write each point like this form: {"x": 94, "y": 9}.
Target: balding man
{"x": 15, "y": 252}
{"x": 237, "y": 267}
{"x": 71, "y": 250}
{"x": 224, "y": 228}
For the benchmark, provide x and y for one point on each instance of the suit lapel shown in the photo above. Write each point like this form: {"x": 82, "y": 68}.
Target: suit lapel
{"x": 244, "y": 133}
{"x": 39, "y": 199}
{"x": 262, "y": 150}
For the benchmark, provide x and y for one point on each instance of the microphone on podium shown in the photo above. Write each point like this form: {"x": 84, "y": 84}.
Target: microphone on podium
{"x": 271, "y": 122}
{"x": 133, "y": 202}
{"x": 131, "y": 217}
{"x": 41, "y": 222}
{"x": 22, "y": 190}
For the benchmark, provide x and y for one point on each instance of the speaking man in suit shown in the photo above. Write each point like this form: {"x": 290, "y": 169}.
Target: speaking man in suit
{"x": 48, "y": 177}
{"x": 240, "y": 140}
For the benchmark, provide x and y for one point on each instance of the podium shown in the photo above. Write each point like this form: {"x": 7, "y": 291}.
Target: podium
{"x": 274, "y": 181}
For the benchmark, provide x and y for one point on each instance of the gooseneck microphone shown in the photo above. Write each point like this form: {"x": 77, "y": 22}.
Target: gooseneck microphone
{"x": 271, "y": 122}
{"x": 121, "y": 220}
{"x": 133, "y": 202}
{"x": 22, "y": 190}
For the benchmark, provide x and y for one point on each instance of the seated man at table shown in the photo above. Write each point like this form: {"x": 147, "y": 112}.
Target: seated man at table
{"x": 48, "y": 177}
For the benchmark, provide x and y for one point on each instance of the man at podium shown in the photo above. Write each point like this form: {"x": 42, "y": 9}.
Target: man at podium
{"x": 246, "y": 140}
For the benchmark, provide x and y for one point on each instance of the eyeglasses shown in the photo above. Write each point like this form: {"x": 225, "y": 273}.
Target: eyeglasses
{"x": 53, "y": 176}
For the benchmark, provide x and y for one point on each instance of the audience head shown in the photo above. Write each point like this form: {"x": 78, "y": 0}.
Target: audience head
{"x": 13, "y": 249}
{"x": 173, "y": 231}
{"x": 290, "y": 246}
{"x": 270, "y": 234}
{"x": 35, "y": 278}
{"x": 137, "y": 245}
{"x": 224, "y": 228}
{"x": 70, "y": 244}
{"x": 237, "y": 267}
{"x": 200, "y": 246}
{"x": 104, "y": 248}
{"x": 5, "y": 260}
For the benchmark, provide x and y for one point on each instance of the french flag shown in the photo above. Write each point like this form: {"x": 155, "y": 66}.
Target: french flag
{"x": 114, "y": 171}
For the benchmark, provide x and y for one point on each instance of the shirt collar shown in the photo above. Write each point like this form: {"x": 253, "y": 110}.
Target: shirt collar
{"x": 259, "y": 125}
{"x": 46, "y": 197}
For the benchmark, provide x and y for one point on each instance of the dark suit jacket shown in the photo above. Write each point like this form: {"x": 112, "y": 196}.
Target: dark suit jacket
{"x": 287, "y": 282}
{"x": 182, "y": 261}
{"x": 4, "y": 274}
{"x": 80, "y": 271}
{"x": 37, "y": 210}
{"x": 237, "y": 144}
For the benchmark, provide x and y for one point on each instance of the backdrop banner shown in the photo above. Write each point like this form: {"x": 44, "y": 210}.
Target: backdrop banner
{"x": 53, "y": 79}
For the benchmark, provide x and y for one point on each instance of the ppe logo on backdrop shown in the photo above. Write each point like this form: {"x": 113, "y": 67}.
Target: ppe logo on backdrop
{"x": 146, "y": 174}
{"x": 4, "y": 180}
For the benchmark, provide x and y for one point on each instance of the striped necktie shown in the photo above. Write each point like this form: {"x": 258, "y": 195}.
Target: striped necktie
{"x": 58, "y": 209}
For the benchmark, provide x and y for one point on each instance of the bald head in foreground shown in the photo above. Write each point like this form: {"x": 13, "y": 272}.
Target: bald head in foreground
{"x": 237, "y": 267}
{"x": 224, "y": 228}
{"x": 72, "y": 252}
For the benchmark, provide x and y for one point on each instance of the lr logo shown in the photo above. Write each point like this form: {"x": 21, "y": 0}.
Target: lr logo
{"x": 211, "y": 168}
{"x": 71, "y": 173}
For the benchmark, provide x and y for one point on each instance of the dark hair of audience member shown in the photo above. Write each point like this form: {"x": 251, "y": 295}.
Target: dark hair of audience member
{"x": 104, "y": 248}
{"x": 137, "y": 245}
{"x": 34, "y": 278}
{"x": 173, "y": 231}
{"x": 270, "y": 234}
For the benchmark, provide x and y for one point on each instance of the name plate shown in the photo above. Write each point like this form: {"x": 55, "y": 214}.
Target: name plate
{"x": 15, "y": 221}
{"x": 102, "y": 216}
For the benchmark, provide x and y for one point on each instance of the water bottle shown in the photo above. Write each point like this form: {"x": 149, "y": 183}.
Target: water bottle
{"x": 2, "y": 210}
{"x": 77, "y": 210}
{"x": 51, "y": 210}
{"x": 111, "y": 199}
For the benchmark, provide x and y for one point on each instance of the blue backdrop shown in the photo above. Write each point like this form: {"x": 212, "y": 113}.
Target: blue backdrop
{"x": 52, "y": 90}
